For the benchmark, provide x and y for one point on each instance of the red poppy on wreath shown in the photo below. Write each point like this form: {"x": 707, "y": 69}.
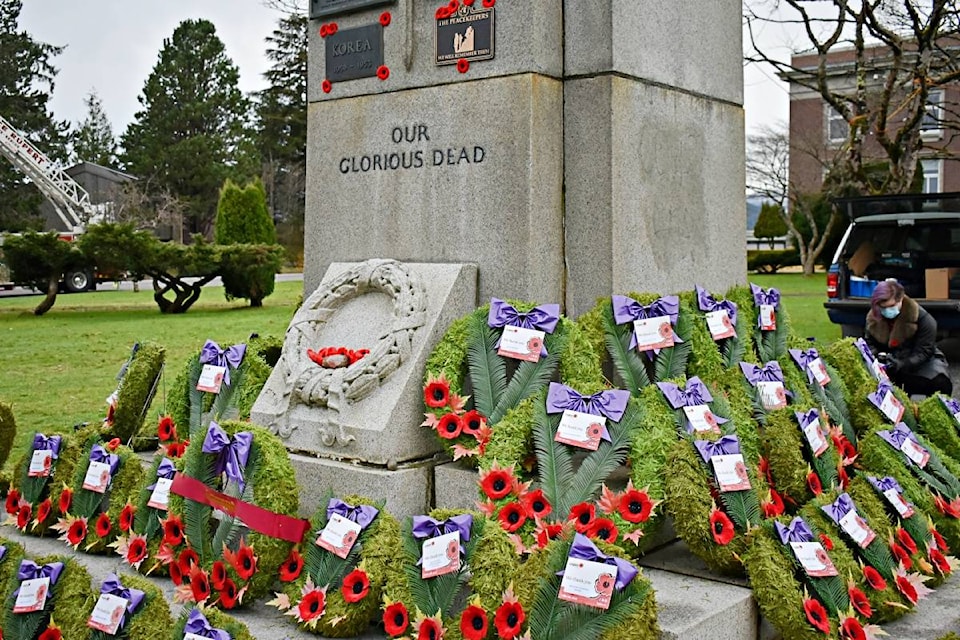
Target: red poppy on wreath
{"x": 136, "y": 550}
{"x": 43, "y": 511}
{"x": 23, "y": 515}
{"x": 326, "y": 86}
{"x": 383, "y": 72}
{"x": 547, "y": 532}
{"x": 826, "y": 541}
{"x": 103, "y": 525}
{"x": 463, "y": 65}
{"x": 51, "y": 633}
{"x": 874, "y": 579}
{"x": 721, "y": 527}
{"x": 816, "y": 615}
{"x": 175, "y": 575}
{"x": 436, "y": 393}
{"x": 489, "y": 3}
{"x": 512, "y": 516}
{"x": 228, "y": 594}
{"x": 774, "y": 507}
{"x": 859, "y": 600}
{"x": 535, "y": 504}
{"x": 473, "y": 623}
{"x": 813, "y": 483}
{"x": 166, "y": 429}
{"x": 582, "y": 515}
{"x": 939, "y": 561}
{"x": 635, "y": 505}
{"x": 113, "y": 444}
{"x": 449, "y": 426}
{"x": 851, "y": 629}
{"x": 764, "y": 468}
{"x": 65, "y": 500}
{"x": 385, "y": 18}
{"x": 904, "y": 538}
{"x": 905, "y": 587}
{"x": 472, "y": 422}
{"x": 13, "y": 501}
{"x": 603, "y": 529}
{"x": 356, "y": 586}
{"x": 497, "y": 482}
{"x": 291, "y": 567}
{"x": 243, "y": 561}
{"x": 467, "y": 3}
{"x": 218, "y": 574}
{"x": 430, "y": 629}
{"x": 199, "y": 584}
{"x": 187, "y": 561}
{"x": 508, "y": 619}
{"x": 941, "y": 543}
{"x": 842, "y": 478}
{"x": 901, "y": 555}
{"x": 177, "y": 449}
{"x": 173, "y": 530}
{"x": 395, "y": 619}
{"x": 125, "y": 519}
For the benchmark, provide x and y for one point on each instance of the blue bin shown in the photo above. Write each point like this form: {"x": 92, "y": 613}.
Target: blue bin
{"x": 862, "y": 288}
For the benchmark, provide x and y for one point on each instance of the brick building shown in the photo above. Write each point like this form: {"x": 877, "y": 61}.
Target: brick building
{"x": 817, "y": 131}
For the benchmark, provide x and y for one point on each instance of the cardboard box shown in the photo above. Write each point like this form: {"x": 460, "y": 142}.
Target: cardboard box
{"x": 938, "y": 283}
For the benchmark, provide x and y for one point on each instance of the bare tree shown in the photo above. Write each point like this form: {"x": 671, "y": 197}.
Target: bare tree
{"x": 289, "y": 7}
{"x": 900, "y": 51}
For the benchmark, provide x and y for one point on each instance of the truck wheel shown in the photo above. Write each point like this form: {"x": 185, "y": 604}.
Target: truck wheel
{"x": 851, "y": 330}
{"x": 77, "y": 281}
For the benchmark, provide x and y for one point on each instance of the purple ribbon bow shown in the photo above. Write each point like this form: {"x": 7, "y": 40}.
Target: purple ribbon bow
{"x": 898, "y": 435}
{"x": 804, "y": 359}
{"x": 627, "y": 310}
{"x": 198, "y": 624}
{"x": 30, "y": 570}
{"x": 545, "y": 318}
{"x": 805, "y": 418}
{"x": 725, "y": 446}
{"x": 876, "y": 397}
{"x": 707, "y": 303}
{"x": 233, "y": 452}
{"x": 165, "y": 470}
{"x": 229, "y": 358}
{"x": 583, "y": 549}
{"x": 99, "y": 454}
{"x": 362, "y": 514}
{"x": 952, "y": 405}
{"x": 797, "y": 531}
{"x": 770, "y": 372}
{"x": 112, "y": 585}
{"x": 52, "y": 443}
{"x": 695, "y": 393}
{"x": 427, "y": 527}
{"x": 885, "y": 484}
{"x": 770, "y": 296}
{"x": 865, "y": 352}
{"x": 3, "y": 552}
{"x": 839, "y": 508}
{"x": 610, "y": 403}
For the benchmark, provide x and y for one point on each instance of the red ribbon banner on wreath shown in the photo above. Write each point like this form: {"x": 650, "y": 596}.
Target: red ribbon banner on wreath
{"x": 275, "y": 525}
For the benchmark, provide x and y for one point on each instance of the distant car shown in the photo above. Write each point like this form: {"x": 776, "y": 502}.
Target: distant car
{"x": 914, "y": 238}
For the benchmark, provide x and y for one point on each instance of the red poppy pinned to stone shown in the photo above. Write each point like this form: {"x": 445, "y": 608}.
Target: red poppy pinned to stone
{"x": 326, "y": 86}
{"x": 356, "y": 586}
{"x": 395, "y": 619}
{"x": 383, "y": 72}
{"x": 489, "y": 3}
{"x": 463, "y": 65}
{"x": 385, "y": 18}
{"x": 721, "y": 527}
{"x": 816, "y": 615}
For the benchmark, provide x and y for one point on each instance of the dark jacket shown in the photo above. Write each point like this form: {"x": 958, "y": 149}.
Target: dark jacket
{"x": 910, "y": 338}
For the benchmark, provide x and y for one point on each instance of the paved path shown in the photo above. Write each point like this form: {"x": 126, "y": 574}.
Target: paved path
{"x": 127, "y": 285}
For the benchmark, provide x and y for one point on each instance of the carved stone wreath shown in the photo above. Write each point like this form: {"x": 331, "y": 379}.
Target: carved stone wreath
{"x": 336, "y": 388}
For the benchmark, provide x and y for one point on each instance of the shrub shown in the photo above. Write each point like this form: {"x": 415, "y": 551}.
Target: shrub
{"x": 771, "y": 261}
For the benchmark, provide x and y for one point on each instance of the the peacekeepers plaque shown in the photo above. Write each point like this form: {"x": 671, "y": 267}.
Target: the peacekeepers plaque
{"x": 354, "y": 53}
{"x": 326, "y": 8}
{"x": 467, "y": 33}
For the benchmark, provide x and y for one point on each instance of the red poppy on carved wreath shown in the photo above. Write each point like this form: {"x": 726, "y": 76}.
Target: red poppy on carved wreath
{"x": 508, "y": 619}
{"x": 603, "y": 529}
{"x": 449, "y": 426}
{"x": 395, "y": 619}
{"x": 816, "y": 615}
{"x": 228, "y": 594}
{"x": 721, "y": 527}
{"x": 512, "y": 516}
{"x": 103, "y": 525}
{"x": 356, "y": 586}
{"x": 473, "y": 623}
{"x": 874, "y": 579}
{"x": 291, "y": 567}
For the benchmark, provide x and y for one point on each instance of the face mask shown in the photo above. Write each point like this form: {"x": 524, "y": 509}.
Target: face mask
{"x": 890, "y": 312}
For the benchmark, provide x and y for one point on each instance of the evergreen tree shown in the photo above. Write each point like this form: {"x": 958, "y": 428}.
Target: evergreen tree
{"x": 770, "y": 222}
{"x": 191, "y": 134}
{"x": 242, "y": 215}
{"x": 93, "y": 141}
{"x": 26, "y": 84}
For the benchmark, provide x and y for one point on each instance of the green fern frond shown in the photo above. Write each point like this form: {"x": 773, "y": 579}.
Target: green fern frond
{"x": 225, "y": 403}
{"x": 229, "y": 529}
{"x": 195, "y": 397}
{"x": 833, "y": 593}
{"x": 488, "y": 372}
{"x": 554, "y": 459}
{"x": 627, "y": 362}
{"x": 527, "y": 380}
{"x": 733, "y": 349}
{"x": 743, "y": 507}
{"x": 825, "y": 465}
{"x": 196, "y": 515}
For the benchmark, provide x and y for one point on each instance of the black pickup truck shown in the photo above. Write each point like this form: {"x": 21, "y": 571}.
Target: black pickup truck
{"x": 914, "y": 238}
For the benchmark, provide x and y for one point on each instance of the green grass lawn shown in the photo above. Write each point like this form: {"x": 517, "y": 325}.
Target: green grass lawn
{"x": 803, "y": 299}
{"x": 58, "y": 369}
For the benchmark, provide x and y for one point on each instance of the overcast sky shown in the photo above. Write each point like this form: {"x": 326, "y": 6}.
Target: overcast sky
{"x": 112, "y": 45}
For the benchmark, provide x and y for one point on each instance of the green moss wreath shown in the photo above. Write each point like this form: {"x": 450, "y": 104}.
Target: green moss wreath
{"x": 352, "y": 585}
{"x": 152, "y": 615}
{"x": 8, "y": 432}
{"x": 30, "y": 499}
{"x": 67, "y": 606}
{"x": 215, "y": 619}
{"x": 937, "y": 423}
{"x": 9, "y": 564}
{"x": 135, "y": 392}
{"x": 709, "y": 359}
{"x": 796, "y": 473}
{"x": 488, "y": 565}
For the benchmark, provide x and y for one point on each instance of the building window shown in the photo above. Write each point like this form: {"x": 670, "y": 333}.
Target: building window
{"x": 837, "y": 127}
{"x": 932, "y": 175}
{"x": 932, "y": 124}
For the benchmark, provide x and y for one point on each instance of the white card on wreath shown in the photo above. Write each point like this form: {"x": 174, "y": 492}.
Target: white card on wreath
{"x": 440, "y": 555}
{"x": 160, "y": 496}
{"x": 819, "y": 371}
{"x": 768, "y": 317}
{"x": 814, "y": 435}
{"x": 653, "y": 333}
{"x": 701, "y": 418}
{"x": 40, "y": 463}
{"x": 902, "y": 506}
{"x": 730, "y": 472}
{"x": 580, "y": 429}
{"x": 891, "y": 407}
{"x": 720, "y": 325}
{"x": 814, "y": 559}
{"x": 857, "y": 528}
{"x": 108, "y": 613}
{"x": 878, "y": 371}
{"x": 339, "y": 536}
{"x": 773, "y": 395}
{"x": 32, "y": 596}
{"x": 211, "y": 378}
{"x": 193, "y": 636}
{"x": 521, "y": 343}
{"x": 588, "y": 583}
{"x": 917, "y": 454}
{"x": 98, "y": 477}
